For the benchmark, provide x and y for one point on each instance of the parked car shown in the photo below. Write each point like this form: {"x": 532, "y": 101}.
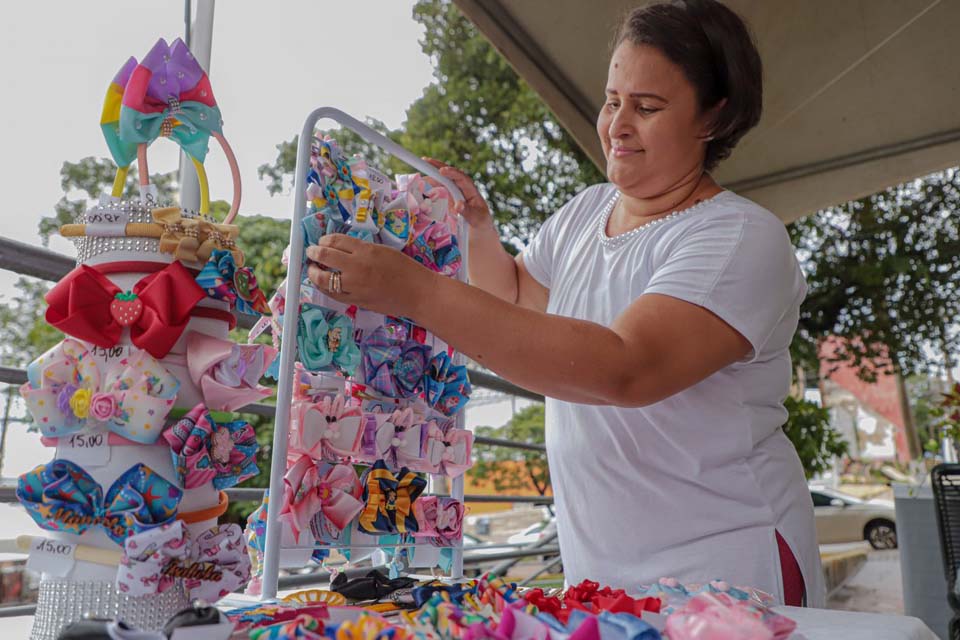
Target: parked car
{"x": 534, "y": 532}
{"x": 844, "y": 518}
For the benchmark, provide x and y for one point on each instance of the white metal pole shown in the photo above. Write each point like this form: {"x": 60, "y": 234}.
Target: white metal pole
{"x": 201, "y": 43}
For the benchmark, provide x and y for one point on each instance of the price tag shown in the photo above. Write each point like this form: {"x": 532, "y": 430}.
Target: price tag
{"x": 86, "y": 449}
{"x": 107, "y": 355}
{"x": 149, "y": 195}
{"x": 51, "y": 556}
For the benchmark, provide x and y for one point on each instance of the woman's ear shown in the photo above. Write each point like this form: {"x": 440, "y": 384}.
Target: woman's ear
{"x": 710, "y": 118}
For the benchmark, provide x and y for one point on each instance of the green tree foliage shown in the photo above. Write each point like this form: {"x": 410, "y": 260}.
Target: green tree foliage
{"x": 808, "y": 428}
{"x": 529, "y": 467}
{"x": 883, "y": 275}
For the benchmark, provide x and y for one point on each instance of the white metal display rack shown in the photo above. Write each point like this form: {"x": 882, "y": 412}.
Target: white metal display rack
{"x": 271, "y": 559}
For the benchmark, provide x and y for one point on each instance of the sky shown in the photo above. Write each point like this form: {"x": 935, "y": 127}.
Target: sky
{"x": 271, "y": 64}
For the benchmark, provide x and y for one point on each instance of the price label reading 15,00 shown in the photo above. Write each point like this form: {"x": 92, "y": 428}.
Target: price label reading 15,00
{"x": 86, "y": 441}
{"x": 53, "y": 547}
{"x": 53, "y": 557}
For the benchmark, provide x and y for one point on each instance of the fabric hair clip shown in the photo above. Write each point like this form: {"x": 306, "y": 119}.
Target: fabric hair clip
{"x": 447, "y": 450}
{"x": 388, "y": 500}
{"x": 399, "y": 442}
{"x": 227, "y": 374}
{"x": 204, "y": 451}
{"x": 325, "y": 340}
{"x": 330, "y": 429}
{"x": 320, "y": 498}
{"x": 61, "y": 496}
{"x": 440, "y": 519}
{"x": 437, "y": 249}
{"x": 210, "y": 565}
{"x": 194, "y": 239}
{"x": 446, "y": 386}
{"x": 85, "y": 304}
{"x": 393, "y": 365}
{"x": 66, "y": 393}
{"x": 222, "y": 279}
{"x": 720, "y": 616}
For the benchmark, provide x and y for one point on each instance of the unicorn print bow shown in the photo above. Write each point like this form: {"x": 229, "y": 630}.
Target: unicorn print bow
{"x": 61, "y": 496}
{"x": 204, "y": 451}
{"x": 66, "y": 393}
{"x": 211, "y": 565}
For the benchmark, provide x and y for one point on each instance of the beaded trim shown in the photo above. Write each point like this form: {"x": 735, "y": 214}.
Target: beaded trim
{"x": 61, "y": 601}
{"x": 619, "y": 240}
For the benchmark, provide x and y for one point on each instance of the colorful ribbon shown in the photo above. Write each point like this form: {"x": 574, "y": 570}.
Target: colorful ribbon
{"x": 448, "y": 451}
{"x": 399, "y": 439}
{"x": 227, "y": 373}
{"x": 437, "y": 249}
{"x": 123, "y": 152}
{"x": 325, "y": 340}
{"x": 393, "y": 365}
{"x": 222, "y": 279}
{"x": 446, "y": 386}
{"x": 66, "y": 393}
{"x": 168, "y": 94}
{"x": 388, "y": 500}
{"x": 325, "y": 430}
{"x": 87, "y": 305}
{"x": 440, "y": 519}
{"x": 322, "y": 497}
{"x": 204, "y": 451}
{"x": 210, "y": 565}
{"x": 61, "y": 496}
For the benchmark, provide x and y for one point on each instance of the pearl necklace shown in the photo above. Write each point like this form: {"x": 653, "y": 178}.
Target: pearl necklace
{"x": 620, "y": 239}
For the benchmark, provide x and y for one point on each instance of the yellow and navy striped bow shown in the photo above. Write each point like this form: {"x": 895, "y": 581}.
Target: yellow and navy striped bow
{"x": 389, "y": 500}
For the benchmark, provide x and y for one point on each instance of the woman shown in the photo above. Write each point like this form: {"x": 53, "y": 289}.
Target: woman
{"x": 655, "y": 313}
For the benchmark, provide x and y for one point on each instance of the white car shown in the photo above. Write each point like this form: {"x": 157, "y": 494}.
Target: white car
{"x": 534, "y": 532}
{"x": 845, "y": 518}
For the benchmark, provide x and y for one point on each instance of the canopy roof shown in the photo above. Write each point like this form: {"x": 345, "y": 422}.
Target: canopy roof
{"x": 859, "y": 94}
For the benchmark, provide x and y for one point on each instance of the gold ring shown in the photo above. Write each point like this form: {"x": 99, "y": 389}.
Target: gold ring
{"x": 335, "y": 286}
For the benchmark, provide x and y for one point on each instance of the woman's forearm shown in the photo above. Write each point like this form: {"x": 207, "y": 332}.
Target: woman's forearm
{"x": 491, "y": 268}
{"x": 560, "y": 357}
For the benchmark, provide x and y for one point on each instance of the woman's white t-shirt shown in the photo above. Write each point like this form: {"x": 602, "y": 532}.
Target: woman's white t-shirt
{"x": 693, "y": 486}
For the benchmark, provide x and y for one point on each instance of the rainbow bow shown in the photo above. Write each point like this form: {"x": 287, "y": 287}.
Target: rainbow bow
{"x": 389, "y": 499}
{"x": 66, "y": 393}
{"x": 61, "y": 496}
{"x": 168, "y": 94}
{"x": 210, "y": 565}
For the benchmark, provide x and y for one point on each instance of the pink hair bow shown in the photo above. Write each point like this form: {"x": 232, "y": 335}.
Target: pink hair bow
{"x": 228, "y": 374}
{"x": 398, "y": 439}
{"x": 211, "y": 565}
{"x": 66, "y": 393}
{"x": 204, "y": 450}
{"x": 440, "y": 519}
{"x": 325, "y": 430}
{"x": 448, "y": 451}
{"x": 711, "y": 616}
{"x": 322, "y": 498}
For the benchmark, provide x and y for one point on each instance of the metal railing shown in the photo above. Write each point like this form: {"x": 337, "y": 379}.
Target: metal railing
{"x": 38, "y": 262}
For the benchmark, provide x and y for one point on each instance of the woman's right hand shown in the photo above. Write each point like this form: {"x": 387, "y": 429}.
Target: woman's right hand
{"x": 473, "y": 208}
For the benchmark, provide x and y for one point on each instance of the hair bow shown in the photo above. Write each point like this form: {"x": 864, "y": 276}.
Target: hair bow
{"x": 399, "y": 439}
{"x": 718, "y": 615}
{"x": 87, "y": 305}
{"x": 211, "y": 565}
{"x": 194, "y": 239}
{"x": 222, "y": 279}
{"x": 389, "y": 499}
{"x": 446, "y": 386}
{"x": 205, "y": 451}
{"x": 325, "y": 430}
{"x": 448, "y": 451}
{"x": 123, "y": 152}
{"x": 393, "y": 365}
{"x": 61, "y": 496}
{"x": 440, "y": 519}
{"x": 436, "y": 248}
{"x": 325, "y": 340}
{"x": 322, "y": 497}
{"x": 228, "y": 374}
{"x": 66, "y": 393}
{"x": 168, "y": 94}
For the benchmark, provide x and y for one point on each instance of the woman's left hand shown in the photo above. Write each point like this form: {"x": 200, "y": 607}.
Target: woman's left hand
{"x": 372, "y": 276}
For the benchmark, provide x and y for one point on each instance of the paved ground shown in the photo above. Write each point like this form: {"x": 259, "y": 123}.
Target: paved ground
{"x": 876, "y": 588}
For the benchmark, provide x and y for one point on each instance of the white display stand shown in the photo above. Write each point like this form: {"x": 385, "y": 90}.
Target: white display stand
{"x": 285, "y": 376}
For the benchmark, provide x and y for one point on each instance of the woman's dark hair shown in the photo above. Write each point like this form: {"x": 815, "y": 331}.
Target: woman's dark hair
{"x": 716, "y": 52}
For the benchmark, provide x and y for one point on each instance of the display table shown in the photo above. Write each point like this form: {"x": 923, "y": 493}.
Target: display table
{"x": 828, "y": 624}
